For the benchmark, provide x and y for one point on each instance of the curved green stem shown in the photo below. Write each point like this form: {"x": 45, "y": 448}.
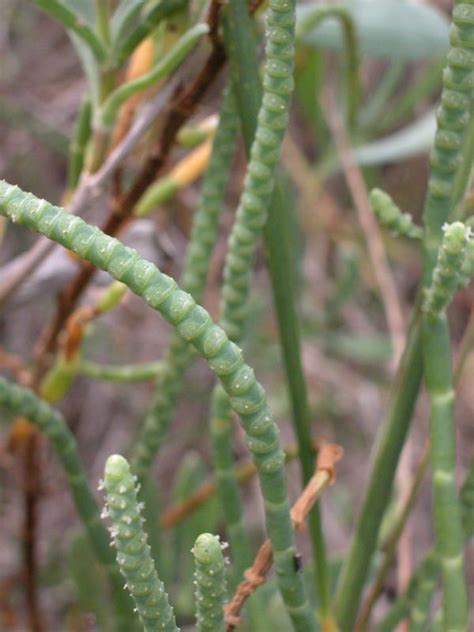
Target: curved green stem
{"x": 196, "y": 265}
{"x": 194, "y": 324}
{"x": 74, "y": 23}
{"x": 241, "y": 48}
{"x": 22, "y": 402}
{"x": 164, "y": 66}
{"x": 352, "y": 80}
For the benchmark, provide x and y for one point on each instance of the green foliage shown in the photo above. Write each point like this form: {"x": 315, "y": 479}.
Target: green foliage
{"x": 391, "y": 217}
{"x": 194, "y": 324}
{"x": 133, "y": 551}
{"x": 449, "y": 265}
{"x": 106, "y": 34}
{"x": 210, "y": 583}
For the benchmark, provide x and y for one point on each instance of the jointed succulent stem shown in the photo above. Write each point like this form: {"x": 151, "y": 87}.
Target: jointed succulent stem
{"x": 210, "y": 583}
{"x": 203, "y": 237}
{"x": 391, "y": 217}
{"x": 23, "y": 402}
{"x": 133, "y": 551}
{"x": 194, "y": 324}
{"x": 453, "y": 121}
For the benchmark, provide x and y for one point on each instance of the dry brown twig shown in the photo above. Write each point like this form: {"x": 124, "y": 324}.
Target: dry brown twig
{"x": 325, "y": 474}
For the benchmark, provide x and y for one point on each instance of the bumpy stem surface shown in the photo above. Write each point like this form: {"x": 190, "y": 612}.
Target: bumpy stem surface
{"x": 196, "y": 265}
{"x": 210, "y": 583}
{"x": 133, "y": 551}
{"x": 194, "y": 324}
{"x": 23, "y": 402}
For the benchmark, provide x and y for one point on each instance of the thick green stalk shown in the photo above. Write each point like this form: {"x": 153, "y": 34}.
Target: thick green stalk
{"x": 447, "y": 518}
{"x": 133, "y": 551}
{"x": 428, "y": 571}
{"x": 210, "y": 583}
{"x": 453, "y": 120}
{"x": 194, "y": 324}
{"x": 227, "y": 486}
{"x": 74, "y": 23}
{"x": 193, "y": 280}
{"x": 385, "y": 457}
{"x": 241, "y": 49}
{"x": 81, "y": 135}
{"x": 22, "y": 402}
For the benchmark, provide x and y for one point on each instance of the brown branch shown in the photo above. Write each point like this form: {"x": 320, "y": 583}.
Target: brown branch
{"x": 324, "y": 475}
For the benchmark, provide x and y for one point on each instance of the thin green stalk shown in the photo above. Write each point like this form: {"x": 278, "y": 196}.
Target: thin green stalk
{"x": 121, "y": 373}
{"x": 74, "y": 23}
{"x": 163, "y": 67}
{"x": 195, "y": 269}
{"x": 102, "y": 10}
{"x": 390, "y": 545}
{"x": 193, "y": 323}
{"x": 159, "y": 10}
{"x": 133, "y": 551}
{"x": 22, "y": 402}
{"x": 351, "y": 48}
{"x": 452, "y": 123}
{"x": 210, "y": 583}
{"x": 80, "y": 137}
{"x": 385, "y": 457}
{"x": 375, "y": 108}
{"x": 426, "y": 574}
{"x": 241, "y": 49}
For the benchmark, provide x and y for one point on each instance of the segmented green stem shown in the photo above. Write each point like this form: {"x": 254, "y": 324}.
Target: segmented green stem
{"x": 227, "y": 486}
{"x": 427, "y": 572}
{"x": 210, "y": 583}
{"x": 421, "y": 581}
{"x": 453, "y": 121}
{"x": 264, "y": 156}
{"x": 193, "y": 280}
{"x": 193, "y": 323}
{"x": 133, "y": 551}
{"x": 23, "y": 402}
{"x": 74, "y": 23}
{"x": 467, "y": 502}
{"x": 243, "y": 58}
{"x": 81, "y": 134}
{"x": 391, "y": 217}
{"x": 448, "y": 269}
{"x": 121, "y": 373}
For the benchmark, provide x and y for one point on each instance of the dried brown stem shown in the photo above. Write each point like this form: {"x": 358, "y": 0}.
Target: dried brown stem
{"x": 324, "y": 475}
